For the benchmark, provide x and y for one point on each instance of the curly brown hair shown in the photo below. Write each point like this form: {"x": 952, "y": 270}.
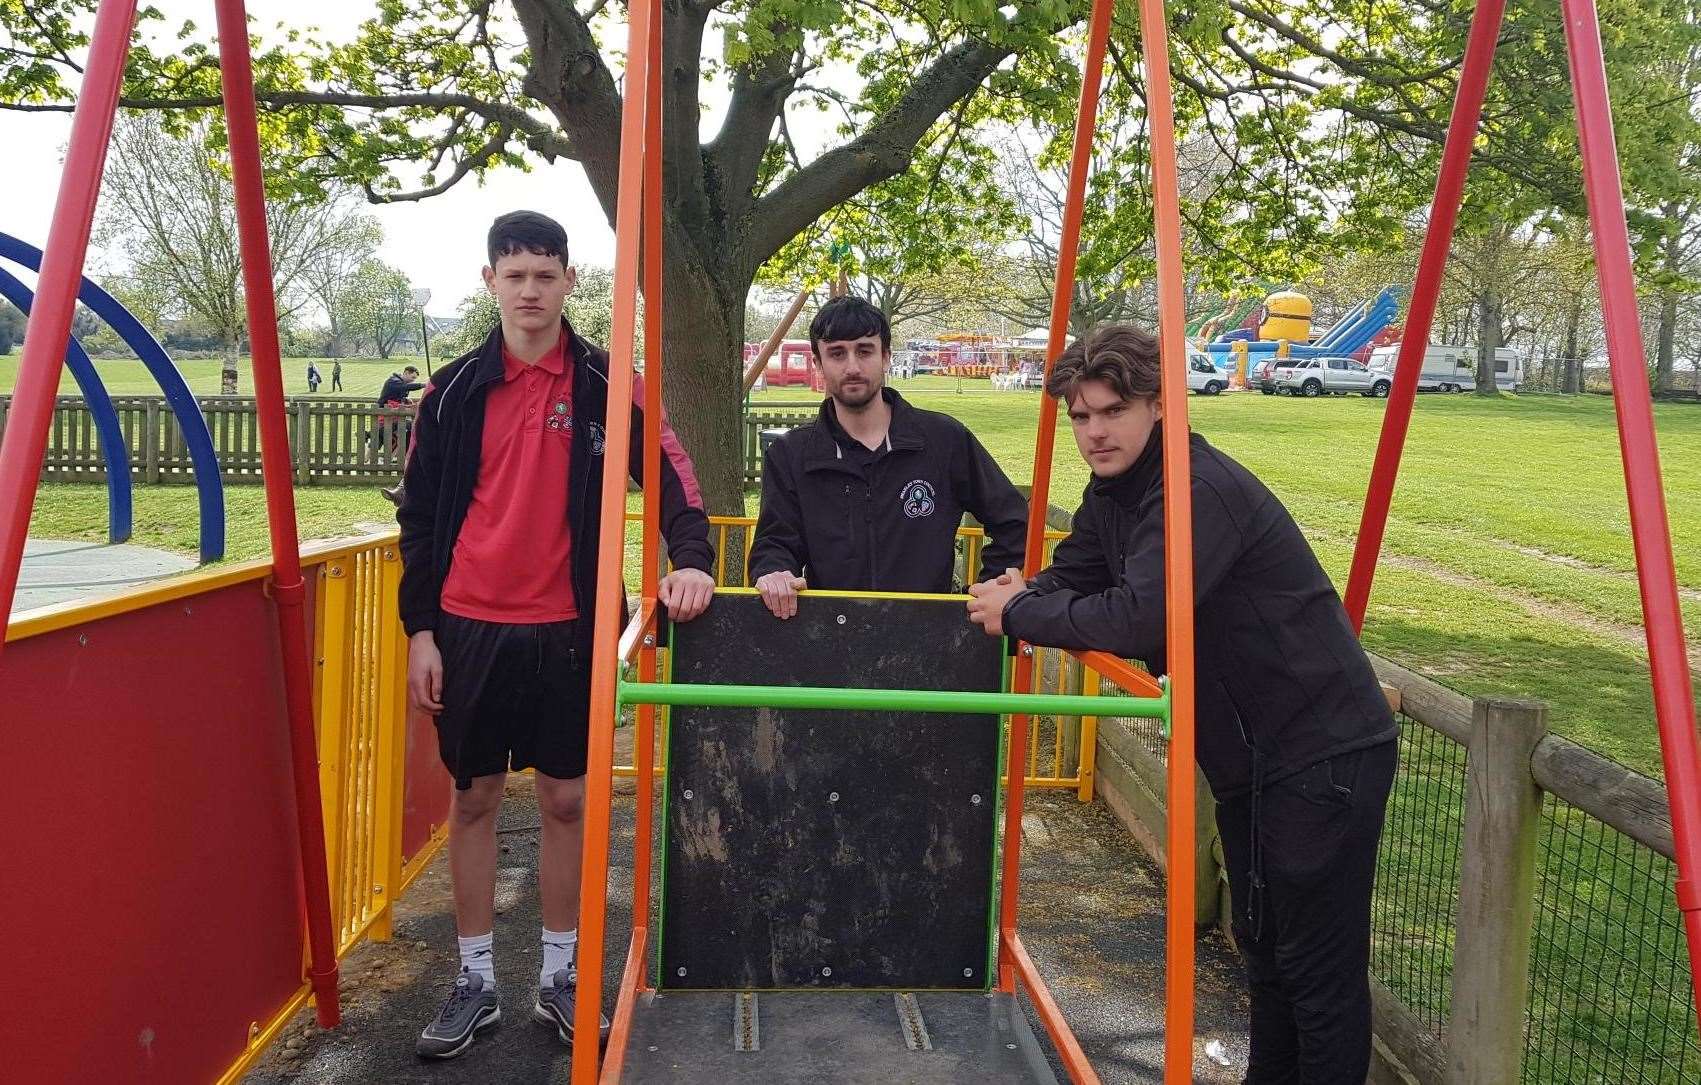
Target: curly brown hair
{"x": 1124, "y": 356}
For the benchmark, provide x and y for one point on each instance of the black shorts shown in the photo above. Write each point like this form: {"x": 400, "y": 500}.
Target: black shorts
{"x": 514, "y": 697}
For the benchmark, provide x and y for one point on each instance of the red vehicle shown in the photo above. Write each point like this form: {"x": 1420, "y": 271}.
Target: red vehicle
{"x": 791, "y": 364}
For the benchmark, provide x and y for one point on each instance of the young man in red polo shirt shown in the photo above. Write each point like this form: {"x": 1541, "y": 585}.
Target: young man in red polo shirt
{"x": 499, "y": 527}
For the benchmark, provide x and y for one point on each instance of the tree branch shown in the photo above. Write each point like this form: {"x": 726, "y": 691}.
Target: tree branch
{"x": 468, "y": 164}
{"x": 883, "y": 150}
{"x": 682, "y": 154}
{"x": 1374, "y": 74}
{"x": 569, "y": 76}
{"x": 539, "y": 136}
{"x": 759, "y": 94}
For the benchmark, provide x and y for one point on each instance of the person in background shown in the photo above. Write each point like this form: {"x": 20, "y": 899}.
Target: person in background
{"x": 399, "y": 386}
{"x": 313, "y": 378}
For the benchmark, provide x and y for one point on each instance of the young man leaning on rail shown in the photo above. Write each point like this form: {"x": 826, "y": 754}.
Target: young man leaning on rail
{"x": 1293, "y": 732}
{"x": 499, "y": 526}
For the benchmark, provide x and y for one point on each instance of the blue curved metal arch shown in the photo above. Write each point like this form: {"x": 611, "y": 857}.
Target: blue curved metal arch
{"x": 209, "y": 483}
{"x": 113, "y": 448}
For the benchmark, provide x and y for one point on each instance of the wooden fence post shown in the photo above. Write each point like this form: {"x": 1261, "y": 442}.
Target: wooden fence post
{"x": 303, "y": 422}
{"x": 150, "y": 441}
{"x": 1497, "y": 869}
{"x": 1070, "y": 725}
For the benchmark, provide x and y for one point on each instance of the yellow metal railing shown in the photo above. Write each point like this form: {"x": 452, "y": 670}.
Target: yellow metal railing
{"x": 361, "y": 701}
{"x": 1069, "y": 763}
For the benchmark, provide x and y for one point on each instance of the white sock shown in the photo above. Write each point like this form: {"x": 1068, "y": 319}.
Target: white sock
{"x": 559, "y": 949}
{"x": 478, "y": 954}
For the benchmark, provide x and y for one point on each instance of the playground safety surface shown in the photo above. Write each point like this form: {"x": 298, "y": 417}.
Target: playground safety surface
{"x": 60, "y": 570}
{"x": 1092, "y": 917}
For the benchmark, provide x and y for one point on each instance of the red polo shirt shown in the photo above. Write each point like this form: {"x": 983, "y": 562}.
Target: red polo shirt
{"x": 511, "y": 561}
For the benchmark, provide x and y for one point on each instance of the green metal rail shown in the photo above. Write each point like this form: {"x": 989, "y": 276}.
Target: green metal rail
{"x": 891, "y": 700}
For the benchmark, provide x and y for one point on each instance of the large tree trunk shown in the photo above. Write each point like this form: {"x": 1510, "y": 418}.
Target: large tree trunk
{"x": 703, "y": 331}
{"x": 227, "y": 375}
{"x": 1573, "y": 379}
{"x": 1665, "y": 355}
{"x": 1489, "y": 315}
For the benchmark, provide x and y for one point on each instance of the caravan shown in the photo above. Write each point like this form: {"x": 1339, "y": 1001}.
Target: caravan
{"x": 1453, "y": 369}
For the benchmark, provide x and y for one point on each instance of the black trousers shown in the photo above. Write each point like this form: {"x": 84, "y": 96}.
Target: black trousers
{"x": 1301, "y": 895}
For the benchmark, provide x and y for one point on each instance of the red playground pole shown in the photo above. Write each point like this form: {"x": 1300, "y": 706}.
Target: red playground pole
{"x": 49, "y": 330}
{"x": 1420, "y": 314}
{"x": 289, "y": 591}
{"x": 1674, "y": 704}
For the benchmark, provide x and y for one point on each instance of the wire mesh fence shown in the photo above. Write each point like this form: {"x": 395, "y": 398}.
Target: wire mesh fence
{"x": 1610, "y": 994}
{"x": 1416, "y": 899}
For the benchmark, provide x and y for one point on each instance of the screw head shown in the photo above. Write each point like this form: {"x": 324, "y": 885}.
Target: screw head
{"x": 974, "y": 799}
{"x": 649, "y": 640}
{"x": 967, "y": 972}
{"x": 83, "y": 639}
{"x": 826, "y": 971}
{"x": 832, "y": 796}
{"x": 841, "y": 619}
{"x": 1027, "y": 649}
{"x": 688, "y": 795}
{"x": 1012, "y": 1047}
{"x": 681, "y": 973}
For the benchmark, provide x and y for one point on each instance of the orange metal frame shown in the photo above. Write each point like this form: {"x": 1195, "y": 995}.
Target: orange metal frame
{"x": 638, "y": 229}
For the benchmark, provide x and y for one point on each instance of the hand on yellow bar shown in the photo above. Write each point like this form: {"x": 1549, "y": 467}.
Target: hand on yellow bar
{"x": 686, "y": 593}
{"x": 779, "y": 592}
{"x": 986, "y": 607}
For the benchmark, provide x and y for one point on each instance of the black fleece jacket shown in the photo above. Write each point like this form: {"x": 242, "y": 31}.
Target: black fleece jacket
{"x": 853, "y": 520}
{"x": 443, "y": 467}
{"x": 1282, "y": 680}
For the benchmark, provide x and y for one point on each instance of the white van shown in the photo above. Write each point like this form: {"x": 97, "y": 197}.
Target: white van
{"x": 1203, "y": 378}
{"x": 1454, "y": 369}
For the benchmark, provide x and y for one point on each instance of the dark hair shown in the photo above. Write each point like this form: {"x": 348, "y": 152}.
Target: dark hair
{"x": 526, "y": 231}
{"x": 414, "y": 369}
{"x": 848, "y": 317}
{"x": 1124, "y": 356}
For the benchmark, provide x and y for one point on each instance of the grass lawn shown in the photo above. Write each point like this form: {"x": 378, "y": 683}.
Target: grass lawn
{"x": 1507, "y": 566}
{"x": 362, "y": 377}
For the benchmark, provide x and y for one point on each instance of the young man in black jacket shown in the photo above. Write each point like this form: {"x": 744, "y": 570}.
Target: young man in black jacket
{"x": 499, "y": 531}
{"x": 1293, "y": 732}
{"x": 399, "y": 386}
{"x": 868, "y": 497}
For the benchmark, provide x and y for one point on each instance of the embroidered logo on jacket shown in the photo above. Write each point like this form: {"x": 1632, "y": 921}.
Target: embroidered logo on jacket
{"x": 917, "y": 499}
{"x": 597, "y": 438}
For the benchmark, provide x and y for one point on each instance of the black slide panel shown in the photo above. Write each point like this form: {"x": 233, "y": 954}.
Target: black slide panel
{"x": 830, "y": 848}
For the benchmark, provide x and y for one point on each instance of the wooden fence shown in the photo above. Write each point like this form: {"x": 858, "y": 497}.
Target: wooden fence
{"x": 768, "y": 417}
{"x": 1525, "y": 926}
{"x": 331, "y": 440}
